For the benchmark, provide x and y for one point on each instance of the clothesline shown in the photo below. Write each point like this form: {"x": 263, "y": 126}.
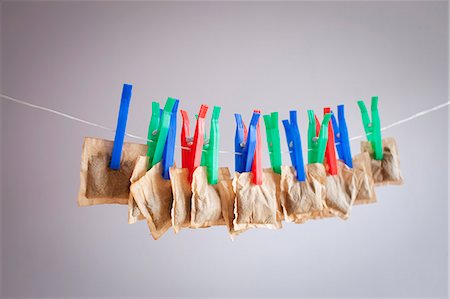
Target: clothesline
{"x": 68, "y": 116}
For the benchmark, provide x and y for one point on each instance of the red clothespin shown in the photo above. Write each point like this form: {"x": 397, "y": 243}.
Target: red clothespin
{"x": 257, "y": 163}
{"x": 192, "y": 147}
{"x": 185, "y": 144}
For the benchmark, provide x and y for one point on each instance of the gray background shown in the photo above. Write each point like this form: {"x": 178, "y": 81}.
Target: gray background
{"x": 74, "y": 57}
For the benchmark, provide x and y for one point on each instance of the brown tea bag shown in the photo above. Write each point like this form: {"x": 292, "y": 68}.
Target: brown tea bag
{"x": 340, "y": 193}
{"x": 134, "y": 213}
{"x": 153, "y": 195}
{"x": 206, "y": 206}
{"x": 99, "y": 184}
{"x": 386, "y": 171}
{"x": 227, "y": 197}
{"x": 300, "y": 200}
{"x": 364, "y": 179}
{"x": 182, "y": 194}
{"x": 256, "y": 205}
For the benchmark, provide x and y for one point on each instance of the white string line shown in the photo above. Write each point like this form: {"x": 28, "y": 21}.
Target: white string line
{"x": 399, "y": 122}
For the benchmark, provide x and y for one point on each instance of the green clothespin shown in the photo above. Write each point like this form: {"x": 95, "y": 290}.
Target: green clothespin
{"x": 164, "y": 125}
{"x": 273, "y": 141}
{"x": 317, "y": 145}
{"x": 372, "y": 129}
{"x": 152, "y": 136}
{"x": 212, "y": 149}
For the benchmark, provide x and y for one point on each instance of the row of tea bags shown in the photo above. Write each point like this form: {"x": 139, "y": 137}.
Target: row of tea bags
{"x": 201, "y": 194}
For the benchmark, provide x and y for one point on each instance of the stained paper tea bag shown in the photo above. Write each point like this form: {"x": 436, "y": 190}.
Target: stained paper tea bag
{"x": 182, "y": 194}
{"x": 153, "y": 195}
{"x": 256, "y": 205}
{"x": 227, "y": 196}
{"x": 364, "y": 179}
{"x": 206, "y": 204}
{"x": 134, "y": 213}
{"x": 99, "y": 184}
{"x": 302, "y": 199}
{"x": 385, "y": 171}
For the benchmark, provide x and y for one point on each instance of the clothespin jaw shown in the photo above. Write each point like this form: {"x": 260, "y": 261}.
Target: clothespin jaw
{"x": 294, "y": 144}
{"x": 164, "y": 125}
{"x": 330, "y": 151}
{"x": 212, "y": 161}
{"x": 341, "y": 137}
{"x": 121, "y": 126}
{"x": 169, "y": 148}
{"x": 273, "y": 141}
{"x": 185, "y": 143}
{"x": 197, "y": 144}
{"x": 239, "y": 144}
{"x": 153, "y": 128}
{"x": 372, "y": 128}
{"x": 250, "y": 145}
{"x": 257, "y": 162}
{"x": 317, "y": 142}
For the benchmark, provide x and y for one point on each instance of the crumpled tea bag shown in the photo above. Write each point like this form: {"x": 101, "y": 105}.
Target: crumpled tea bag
{"x": 256, "y": 205}
{"x": 386, "y": 171}
{"x": 227, "y": 197}
{"x": 182, "y": 194}
{"x": 134, "y": 213}
{"x": 364, "y": 179}
{"x": 153, "y": 195}
{"x": 340, "y": 193}
{"x": 300, "y": 200}
{"x": 99, "y": 184}
{"x": 206, "y": 205}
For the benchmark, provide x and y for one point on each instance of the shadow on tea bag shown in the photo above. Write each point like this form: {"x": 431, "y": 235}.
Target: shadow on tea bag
{"x": 99, "y": 184}
{"x": 387, "y": 170}
{"x": 153, "y": 195}
{"x": 364, "y": 180}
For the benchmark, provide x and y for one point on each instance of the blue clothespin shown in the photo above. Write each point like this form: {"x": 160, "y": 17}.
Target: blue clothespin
{"x": 169, "y": 147}
{"x": 341, "y": 137}
{"x": 295, "y": 144}
{"x": 245, "y": 148}
{"x": 239, "y": 144}
{"x": 121, "y": 126}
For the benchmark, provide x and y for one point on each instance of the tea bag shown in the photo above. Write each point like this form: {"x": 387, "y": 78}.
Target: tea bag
{"x": 134, "y": 213}
{"x": 227, "y": 197}
{"x": 385, "y": 171}
{"x": 256, "y": 205}
{"x": 99, "y": 184}
{"x": 364, "y": 179}
{"x": 206, "y": 206}
{"x": 301, "y": 199}
{"x": 153, "y": 195}
{"x": 340, "y": 193}
{"x": 182, "y": 194}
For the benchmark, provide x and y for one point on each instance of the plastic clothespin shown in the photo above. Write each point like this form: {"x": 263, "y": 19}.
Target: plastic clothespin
{"x": 211, "y": 152}
{"x": 295, "y": 144}
{"x": 185, "y": 142}
{"x": 273, "y": 141}
{"x": 153, "y": 128}
{"x": 317, "y": 142}
{"x": 169, "y": 148}
{"x": 192, "y": 150}
{"x": 121, "y": 126}
{"x": 372, "y": 129}
{"x": 341, "y": 137}
{"x": 239, "y": 144}
{"x": 330, "y": 152}
{"x": 163, "y": 131}
{"x": 250, "y": 144}
{"x": 257, "y": 163}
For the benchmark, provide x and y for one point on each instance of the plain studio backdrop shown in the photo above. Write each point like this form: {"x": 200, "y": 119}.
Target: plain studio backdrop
{"x": 74, "y": 57}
